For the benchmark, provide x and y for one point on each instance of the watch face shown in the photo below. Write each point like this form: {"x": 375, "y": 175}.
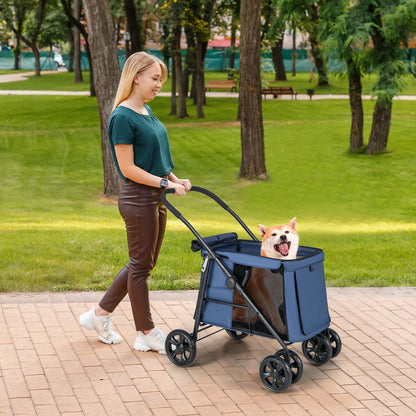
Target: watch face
{"x": 163, "y": 183}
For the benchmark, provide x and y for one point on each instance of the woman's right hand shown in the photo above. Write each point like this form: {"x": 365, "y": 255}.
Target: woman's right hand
{"x": 179, "y": 189}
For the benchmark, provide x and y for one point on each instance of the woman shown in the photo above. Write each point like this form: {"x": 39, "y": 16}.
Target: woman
{"x": 141, "y": 152}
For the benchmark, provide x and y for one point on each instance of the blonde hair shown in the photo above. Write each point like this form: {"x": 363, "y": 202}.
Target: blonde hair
{"x": 136, "y": 64}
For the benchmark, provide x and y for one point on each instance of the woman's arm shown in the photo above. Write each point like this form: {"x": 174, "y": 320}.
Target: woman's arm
{"x": 125, "y": 159}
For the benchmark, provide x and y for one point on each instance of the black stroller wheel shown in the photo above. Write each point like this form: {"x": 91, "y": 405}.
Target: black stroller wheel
{"x": 317, "y": 350}
{"x": 275, "y": 373}
{"x": 236, "y": 334}
{"x": 335, "y": 341}
{"x": 295, "y": 364}
{"x": 180, "y": 347}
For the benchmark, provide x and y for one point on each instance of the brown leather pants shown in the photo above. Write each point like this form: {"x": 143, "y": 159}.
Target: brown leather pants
{"x": 145, "y": 217}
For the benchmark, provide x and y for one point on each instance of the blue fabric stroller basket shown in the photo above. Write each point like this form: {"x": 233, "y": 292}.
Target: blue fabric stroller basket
{"x": 244, "y": 294}
{"x": 301, "y": 281}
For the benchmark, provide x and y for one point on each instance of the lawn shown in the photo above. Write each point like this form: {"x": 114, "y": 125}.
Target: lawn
{"x": 57, "y": 231}
{"x": 64, "y": 81}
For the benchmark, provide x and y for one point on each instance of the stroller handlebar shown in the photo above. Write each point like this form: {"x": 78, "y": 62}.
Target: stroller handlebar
{"x": 177, "y": 214}
{"x": 217, "y": 199}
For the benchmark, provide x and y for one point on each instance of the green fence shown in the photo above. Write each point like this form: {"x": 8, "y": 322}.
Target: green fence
{"x": 216, "y": 60}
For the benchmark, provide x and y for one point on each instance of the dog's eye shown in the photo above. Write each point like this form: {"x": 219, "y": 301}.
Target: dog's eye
{"x": 274, "y": 234}
{"x": 286, "y": 232}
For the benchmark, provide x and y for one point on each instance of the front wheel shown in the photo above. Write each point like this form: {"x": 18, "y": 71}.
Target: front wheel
{"x": 180, "y": 348}
{"x": 275, "y": 373}
{"x": 295, "y": 364}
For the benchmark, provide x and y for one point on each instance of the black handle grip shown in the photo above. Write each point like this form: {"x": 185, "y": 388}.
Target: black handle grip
{"x": 177, "y": 214}
{"x": 170, "y": 207}
{"x": 217, "y": 199}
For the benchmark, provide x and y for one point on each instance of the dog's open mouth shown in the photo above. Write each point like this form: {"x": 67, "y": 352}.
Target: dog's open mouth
{"x": 283, "y": 248}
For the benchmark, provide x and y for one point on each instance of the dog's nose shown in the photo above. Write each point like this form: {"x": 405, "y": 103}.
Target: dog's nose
{"x": 283, "y": 237}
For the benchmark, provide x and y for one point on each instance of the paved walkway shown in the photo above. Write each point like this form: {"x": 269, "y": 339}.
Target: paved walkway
{"x": 22, "y": 76}
{"x": 49, "y": 365}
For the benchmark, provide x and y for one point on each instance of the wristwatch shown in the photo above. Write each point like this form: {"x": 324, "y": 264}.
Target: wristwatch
{"x": 163, "y": 183}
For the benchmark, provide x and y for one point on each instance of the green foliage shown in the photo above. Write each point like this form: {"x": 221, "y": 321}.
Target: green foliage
{"x": 386, "y": 26}
{"x": 57, "y": 232}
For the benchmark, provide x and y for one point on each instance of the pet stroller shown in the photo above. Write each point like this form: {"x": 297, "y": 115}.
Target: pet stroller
{"x": 291, "y": 308}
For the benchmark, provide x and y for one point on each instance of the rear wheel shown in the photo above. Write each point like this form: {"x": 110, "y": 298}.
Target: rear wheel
{"x": 180, "y": 347}
{"x": 236, "y": 334}
{"x": 335, "y": 341}
{"x": 317, "y": 350}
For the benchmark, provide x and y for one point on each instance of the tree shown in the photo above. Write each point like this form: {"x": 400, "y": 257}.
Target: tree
{"x": 391, "y": 22}
{"x": 172, "y": 15}
{"x": 274, "y": 25}
{"x": 77, "y": 43}
{"x": 307, "y": 14}
{"x": 25, "y": 18}
{"x": 342, "y": 40}
{"x": 77, "y": 21}
{"x": 132, "y": 28}
{"x": 106, "y": 76}
{"x": 250, "y": 111}
{"x": 199, "y": 14}
{"x": 225, "y": 10}
{"x": 14, "y": 14}
{"x": 370, "y": 36}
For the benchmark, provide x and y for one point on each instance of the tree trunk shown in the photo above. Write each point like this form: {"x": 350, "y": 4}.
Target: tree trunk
{"x": 250, "y": 111}
{"x": 356, "y": 106}
{"x": 319, "y": 62}
{"x": 231, "y": 61}
{"x": 132, "y": 26}
{"x": 199, "y": 79}
{"x": 380, "y": 128}
{"x": 36, "y": 55}
{"x": 294, "y": 55}
{"x": 173, "y": 103}
{"x": 277, "y": 57}
{"x": 16, "y": 52}
{"x": 177, "y": 62}
{"x": 106, "y": 76}
{"x": 77, "y": 43}
{"x": 316, "y": 48}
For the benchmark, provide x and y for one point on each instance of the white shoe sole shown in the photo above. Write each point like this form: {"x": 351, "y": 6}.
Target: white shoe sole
{"x": 106, "y": 341}
{"x": 140, "y": 347}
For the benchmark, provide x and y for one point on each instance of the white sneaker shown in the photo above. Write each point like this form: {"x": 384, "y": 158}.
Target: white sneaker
{"x": 154, "y": 340}
{"x": 102, "y": 324}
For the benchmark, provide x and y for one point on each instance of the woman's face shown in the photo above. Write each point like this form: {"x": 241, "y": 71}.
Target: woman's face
{"x": 148, "y": 82}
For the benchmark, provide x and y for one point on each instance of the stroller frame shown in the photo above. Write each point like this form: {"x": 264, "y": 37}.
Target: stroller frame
{"x": 277, "y": 371}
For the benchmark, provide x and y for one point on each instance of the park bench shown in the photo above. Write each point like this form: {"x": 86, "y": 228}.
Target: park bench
{"x": 221, "y": 85}
{"x": 276, "y": 91}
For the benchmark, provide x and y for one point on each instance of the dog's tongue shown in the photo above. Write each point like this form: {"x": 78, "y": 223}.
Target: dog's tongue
{"x": 284, "y": 249}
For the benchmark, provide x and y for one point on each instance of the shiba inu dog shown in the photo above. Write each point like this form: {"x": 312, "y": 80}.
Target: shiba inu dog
{"x": 280, "y": 241}
{"x": 265, "y": 287}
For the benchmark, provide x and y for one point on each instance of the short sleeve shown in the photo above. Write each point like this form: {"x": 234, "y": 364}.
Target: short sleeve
{"x": 120, "y": 130}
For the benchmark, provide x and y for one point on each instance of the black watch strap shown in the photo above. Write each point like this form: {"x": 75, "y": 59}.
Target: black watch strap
{"x": 163, "y": 183}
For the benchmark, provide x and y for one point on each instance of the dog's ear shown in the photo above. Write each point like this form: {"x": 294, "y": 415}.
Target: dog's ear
{"x": 262, "y": 229}
{"x": 292, "y": 223}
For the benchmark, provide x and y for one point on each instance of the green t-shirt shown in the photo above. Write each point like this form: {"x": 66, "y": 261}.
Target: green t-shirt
{"x": 148, "y": 137}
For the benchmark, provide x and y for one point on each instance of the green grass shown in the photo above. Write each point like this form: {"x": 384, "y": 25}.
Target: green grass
{"x": 58, "y": 233}
{"x": 64, "y": 81}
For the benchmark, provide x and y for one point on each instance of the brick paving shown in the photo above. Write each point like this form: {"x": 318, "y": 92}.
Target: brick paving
{"x": 49, "y": 365}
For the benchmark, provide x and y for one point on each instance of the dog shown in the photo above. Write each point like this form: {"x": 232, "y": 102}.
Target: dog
{"x": 280, "y": 241}
{"x": 265, "y": 287}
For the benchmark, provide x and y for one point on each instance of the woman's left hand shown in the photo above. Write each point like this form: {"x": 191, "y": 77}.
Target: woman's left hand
{"x": 186, "y": 183}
